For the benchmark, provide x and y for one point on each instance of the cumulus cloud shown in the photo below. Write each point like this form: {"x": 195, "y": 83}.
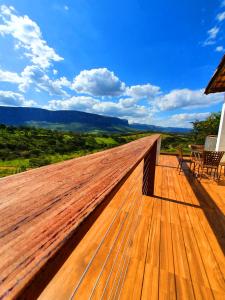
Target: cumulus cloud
{"x": 182, "y": 120}
{"x": 144, "y": 91}
{"x": 98, "y": 82}
{"x": 28, "y": 36}
{"x": 7, "y": 76}
{"x": 81, "y": 103}
{"x": 33, "y": 75}
{"x": 9, "y": 98}
{"x": 93, "y": 105}
{"x": 186, "y": 98}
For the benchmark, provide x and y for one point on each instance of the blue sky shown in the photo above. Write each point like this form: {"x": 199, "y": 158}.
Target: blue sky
{"x": 146, "y": 61}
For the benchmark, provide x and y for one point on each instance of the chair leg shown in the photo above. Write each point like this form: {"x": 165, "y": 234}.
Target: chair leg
{"x": 200, "y": 177}
{"x": 198, "y": 171}
{"x": 218, "y": 174}
{"x": 180, "y": 167}
{"x": 193, "y": 171}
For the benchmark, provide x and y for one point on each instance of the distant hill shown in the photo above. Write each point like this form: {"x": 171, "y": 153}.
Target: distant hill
{"x": 70, "y": 120}
{"x": 60, "y": 120}
{"x": 146, "y": 127}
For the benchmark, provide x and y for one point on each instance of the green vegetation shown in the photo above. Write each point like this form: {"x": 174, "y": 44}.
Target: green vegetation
{"x": 80, "y": 127}
{"x": 209, "y": 126}
{"x": 23, "y": 148}
{"x": 201, "y": 129}
{"x": 170, "y": 142}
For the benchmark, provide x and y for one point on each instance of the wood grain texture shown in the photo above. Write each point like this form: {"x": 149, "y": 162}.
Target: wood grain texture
{"x": 40, "y": 209}
{"x": 168, "y": 246}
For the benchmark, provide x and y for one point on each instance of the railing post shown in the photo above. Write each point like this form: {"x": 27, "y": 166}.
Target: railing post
{"x": 149, "y": 171}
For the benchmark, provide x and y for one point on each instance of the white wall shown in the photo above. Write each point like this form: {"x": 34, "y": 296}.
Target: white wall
{"x": 220, "y": 145}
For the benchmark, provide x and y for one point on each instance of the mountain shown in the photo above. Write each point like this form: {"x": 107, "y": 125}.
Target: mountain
{"x": 146, "y": 127}
{"x": 74, "y": 121}
{"x": 60, "y": 120}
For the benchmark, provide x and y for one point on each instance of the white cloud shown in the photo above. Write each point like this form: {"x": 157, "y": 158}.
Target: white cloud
{"x": 33, "y": 75}
{"x": 55, "y": 72}
{"x": 82, "y": 103}
{"x": 66, "y": 7}
{"x": 28, "y": 36}
{"x": 62, "y": 81}
{"x": 212, "y": 34}
{"x": 9, "y": 98}
{"x": 98, "y": 82}
{"x": 182, "y": 120}
{"x": 144, "y": 91}
{"x": 185, "y": 99}
{"x": 7, "y": 76}
{"x": 93, "y": 105}
{"x": 221, "y": 16}
{"x": 220, "y": 49}
{"x": 117, "y": 109}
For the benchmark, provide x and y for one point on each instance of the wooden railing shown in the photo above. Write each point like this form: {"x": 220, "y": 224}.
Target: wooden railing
{"x": 43, "y": 210}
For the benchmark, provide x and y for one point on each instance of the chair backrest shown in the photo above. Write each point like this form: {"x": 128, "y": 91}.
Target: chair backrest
{"x": 180, "y": 153}
{"x": 197, "y": 147}
{"x": 212, "y": 158}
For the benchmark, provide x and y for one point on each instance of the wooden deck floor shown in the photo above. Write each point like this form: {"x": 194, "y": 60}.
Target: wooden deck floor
{"x": 170, "y": 246}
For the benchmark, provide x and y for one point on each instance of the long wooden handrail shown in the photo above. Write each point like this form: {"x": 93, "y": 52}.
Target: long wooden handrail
{"x": 42, "y": 208}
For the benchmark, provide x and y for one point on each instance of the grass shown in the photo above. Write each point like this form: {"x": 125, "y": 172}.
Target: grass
{"x": 109, "y": 141}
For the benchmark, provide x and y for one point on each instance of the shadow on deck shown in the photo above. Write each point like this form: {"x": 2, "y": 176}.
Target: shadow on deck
{"x": 211, "y": 198}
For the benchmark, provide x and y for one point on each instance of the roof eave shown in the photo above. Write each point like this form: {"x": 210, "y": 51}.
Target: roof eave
{"x": 209, "y": 89}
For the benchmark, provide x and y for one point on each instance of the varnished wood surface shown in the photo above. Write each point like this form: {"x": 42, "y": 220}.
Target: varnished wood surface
{"x": 170, "y": 246}
{"x": 40, "y": 209}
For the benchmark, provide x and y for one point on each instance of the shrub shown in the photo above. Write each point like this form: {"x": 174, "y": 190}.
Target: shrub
{"x": 39, "y": 161}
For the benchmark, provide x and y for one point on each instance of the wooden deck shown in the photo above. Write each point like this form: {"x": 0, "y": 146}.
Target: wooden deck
{"x": 170, "y": 246}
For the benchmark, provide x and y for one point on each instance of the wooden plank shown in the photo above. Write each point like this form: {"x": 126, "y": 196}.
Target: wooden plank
{"x": 150, "y": 288}
{"x": 199, "y": 278}
{"x": 167, "y": 287}
{"x": 183, "y": 282}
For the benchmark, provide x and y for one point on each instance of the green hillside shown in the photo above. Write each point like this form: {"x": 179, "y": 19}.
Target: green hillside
{"x": 22, "y": 148}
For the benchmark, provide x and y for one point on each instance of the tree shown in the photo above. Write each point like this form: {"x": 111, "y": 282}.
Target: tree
{"x": 210, "y": 126}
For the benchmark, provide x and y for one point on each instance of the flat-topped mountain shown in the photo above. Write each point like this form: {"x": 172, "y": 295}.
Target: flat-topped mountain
{"x": 61, "y": 119}
{"x": 71, "y": 120}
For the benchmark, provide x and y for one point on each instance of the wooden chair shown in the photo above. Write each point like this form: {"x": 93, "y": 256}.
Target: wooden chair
{"x": 194, "y": 149}
{"x": 181, "y": 159}
{"x": 208, "y": 160}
